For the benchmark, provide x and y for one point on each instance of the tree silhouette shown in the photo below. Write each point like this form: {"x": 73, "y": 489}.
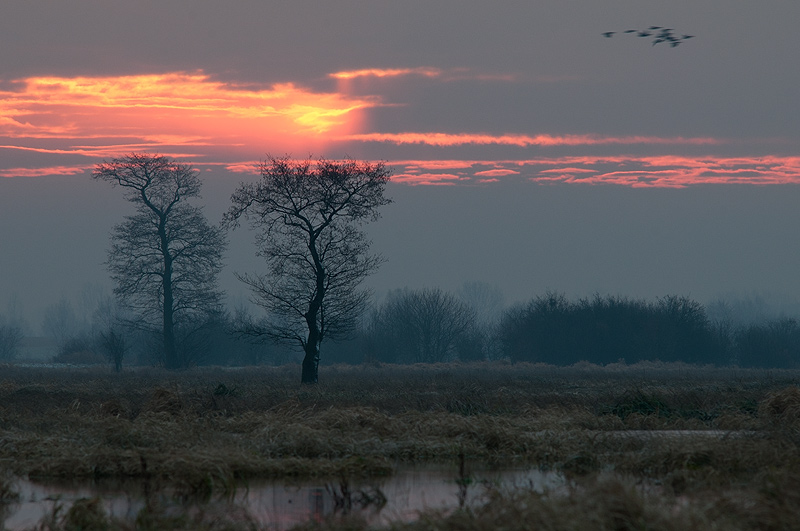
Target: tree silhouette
{"x": 422, "y": 326}
{"x": 165, "y": 258}
{"x": 308, "y": 218}
{"x": 11, "y": 336}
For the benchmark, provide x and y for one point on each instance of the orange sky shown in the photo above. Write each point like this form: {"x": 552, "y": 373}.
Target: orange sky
{"x": 177, "y": 113}
{"x": 192, "y": 116}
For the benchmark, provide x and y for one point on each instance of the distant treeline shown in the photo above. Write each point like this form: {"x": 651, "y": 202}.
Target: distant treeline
{"x": 551, "y": 329}
{"x": 432, "y": 325}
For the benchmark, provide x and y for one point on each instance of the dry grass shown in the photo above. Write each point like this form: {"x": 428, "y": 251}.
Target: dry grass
{"x": 201, "y": 431}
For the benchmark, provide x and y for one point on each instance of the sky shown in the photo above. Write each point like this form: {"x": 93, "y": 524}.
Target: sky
{"x": 528, "y": 150}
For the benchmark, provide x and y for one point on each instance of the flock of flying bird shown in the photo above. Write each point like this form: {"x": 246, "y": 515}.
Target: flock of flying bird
{"x": 658, "y": 33}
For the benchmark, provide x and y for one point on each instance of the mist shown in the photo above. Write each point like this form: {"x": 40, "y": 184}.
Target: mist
{"x": 730, "y": 248}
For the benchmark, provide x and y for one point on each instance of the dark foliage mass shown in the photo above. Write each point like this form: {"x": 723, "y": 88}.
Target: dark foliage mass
{"x": 434, "y": 326}
{"x": 209, "y": 340}
{"x": 551, "y": 329}
{"x": 10, "y": 340}
{"x": 771, "y": 344}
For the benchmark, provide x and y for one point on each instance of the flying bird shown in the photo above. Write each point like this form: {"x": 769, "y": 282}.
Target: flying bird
{"x": 659, "y": 34}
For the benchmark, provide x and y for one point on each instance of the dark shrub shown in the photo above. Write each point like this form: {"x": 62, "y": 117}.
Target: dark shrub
{"x": 601, "y": 330}
{"x": 772, "y": 344}
{"x": 78, "y": 351}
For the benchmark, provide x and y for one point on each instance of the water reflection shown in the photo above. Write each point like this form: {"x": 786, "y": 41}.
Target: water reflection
{"x": 280, "y": 505}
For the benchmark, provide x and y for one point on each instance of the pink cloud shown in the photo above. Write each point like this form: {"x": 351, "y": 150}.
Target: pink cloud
{"x": 447, "y": 139}
{"x": 244, "y": 167}
{"x": 568, "y": 170}
{"x": 453, "y": 74}
{"x": 429, "y": 178}
{"x": 425, "y": 71}
{"x": 436, "y": 164}
{"x": 496, "y": 173}
{"x": 113, "y": 150}
{"x": 623, "y": 170}
{"x": 39, "y": 172}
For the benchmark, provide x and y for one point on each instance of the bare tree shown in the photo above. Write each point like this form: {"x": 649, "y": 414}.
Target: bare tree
{"x": 308, "y": 215}
{"x": 113, "y": 345}
{"x": 12, "y": 329}
{"x": 485, "y": 299}
{"x": 165, "y": 258}
{"x": 60, "y": 321}
{"x": 112, "y": 328}
{"x": 422, "y": 326}
{"x": 11, "y": 336}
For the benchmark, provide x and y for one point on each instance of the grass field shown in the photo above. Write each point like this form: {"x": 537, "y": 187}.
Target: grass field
{"x": 199, "y": 432}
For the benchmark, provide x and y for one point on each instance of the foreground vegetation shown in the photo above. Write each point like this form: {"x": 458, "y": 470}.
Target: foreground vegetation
{"x": 201, "y": 431}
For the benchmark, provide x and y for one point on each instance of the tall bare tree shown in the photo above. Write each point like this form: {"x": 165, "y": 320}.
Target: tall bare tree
{"x": 165, "y": 258}
{"x": 308, "y": 216}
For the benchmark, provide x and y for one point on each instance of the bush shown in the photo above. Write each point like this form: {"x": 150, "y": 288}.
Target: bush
{"x": 10, "y": 341}
{"x": 421, "y": 326}
{"x": 113, "y": 345}
{"x": 78, "y": 351}
{"x": 551, "y": 329}
{"x": 772, "y": 344}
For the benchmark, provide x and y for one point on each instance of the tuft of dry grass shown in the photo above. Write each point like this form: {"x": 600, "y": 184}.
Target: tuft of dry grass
{"x": 163, "y": 401}
{"x": 782, "y": 406}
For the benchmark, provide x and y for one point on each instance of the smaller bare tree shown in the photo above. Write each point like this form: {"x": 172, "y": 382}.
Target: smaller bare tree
{"x": 60, "y": 321}
{"x": 11, "y": 336}
{"x": 113, "y": 346}
{"x": 166, "y": 257}
{"x": 422, "y": 326}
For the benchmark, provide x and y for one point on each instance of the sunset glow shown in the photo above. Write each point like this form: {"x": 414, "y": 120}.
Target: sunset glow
{"x": 534, "y": 147}
{"x": 213, "y": 123}
{"x": 164, "y": 111}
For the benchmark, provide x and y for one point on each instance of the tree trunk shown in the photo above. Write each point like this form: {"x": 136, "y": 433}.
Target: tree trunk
{"x": 170, "y": 355}
{"x": 311, "y": 359}
{"x": 310, "y": 363}
{"x": 311, "y": 347}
